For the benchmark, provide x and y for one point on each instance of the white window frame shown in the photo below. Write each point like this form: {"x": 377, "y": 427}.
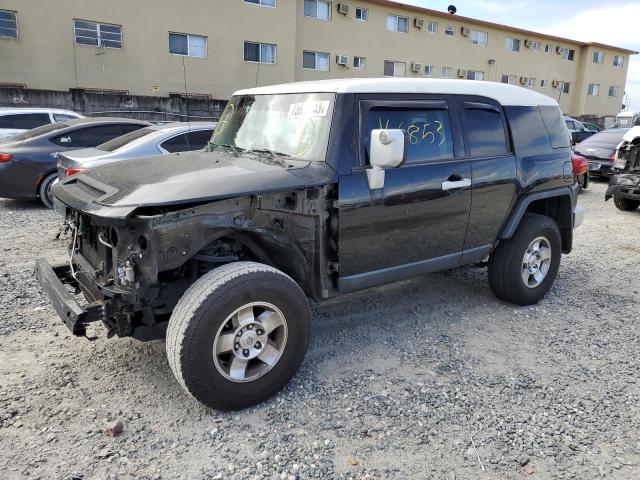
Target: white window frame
{"x": 429, "y": 70}
{"x": 615, "y": 90}
{"x": 432, "y": 27}
{"x": 618, "y": 61}
{"x": 397, "y": 21}
{"x": 566, "y": 52}
{"x": 474, "y": 40}
{"x": 593, "y": 90}
{"x": 475, "y": 75}
{"x": 511, "y": 79}
{"x": 98, "y": 34}
{"x": 316, "y": 53}
{"x": 450, "y": 30}
{"x": 260, "y": 44}
{"x": 511, "y": 42}
{"x": 329, "y": 9}
{"x": 260, "y": 4}
{"x": 15, "y": 21}
{"x": 188, "y": 35}
{"x": 447, "y": 72}
{"x": 562, "y": 86}
{"x": 531, "y": 82}
{"x": 362, "y": 62}
{"x": 598, "y": 57}
{"x": 543, "y": 83}
{"x": 395, "y": 65}
{"x": 535, "y": 46}
{"x": 364, "y": 11}
{"x": 548, "y": 48}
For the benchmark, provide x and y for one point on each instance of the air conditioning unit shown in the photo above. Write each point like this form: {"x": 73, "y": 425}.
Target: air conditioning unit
{"x": 416, "y": 67}
{"x": 462, "y": 73}
{"x": 528, "y": 43}
{"x": 418, "y": 22}
{"x": 342, "y": 59}
{"x": 524, "y": 80}
{"x": 555, "y": 83}
{"x": 343, "y": 8}
{"x": 466, "y": 31}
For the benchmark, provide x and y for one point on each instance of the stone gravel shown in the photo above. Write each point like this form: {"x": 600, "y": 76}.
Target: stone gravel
{"x": 426, "y": 378}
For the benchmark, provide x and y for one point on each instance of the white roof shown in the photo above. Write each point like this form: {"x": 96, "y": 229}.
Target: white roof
{"x": 631, "y": 135}
{"x": 627, "y": 114}
{"x": 501, "y": 92}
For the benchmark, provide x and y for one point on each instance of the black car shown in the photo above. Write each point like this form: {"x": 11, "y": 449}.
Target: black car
{"x": 600, "y": 149}
{"x": 624, "y": 186}
{"x": 28, "y": 161}
{"x": 313, "y": 189}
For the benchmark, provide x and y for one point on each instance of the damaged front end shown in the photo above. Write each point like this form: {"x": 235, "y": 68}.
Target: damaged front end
{"x": 626, "y": 182}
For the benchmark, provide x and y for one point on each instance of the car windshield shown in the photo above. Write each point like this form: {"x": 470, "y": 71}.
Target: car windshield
{"x": 52, "y": 127}
{"x": 291, "y": 125}
{"x": 118, "y": 142}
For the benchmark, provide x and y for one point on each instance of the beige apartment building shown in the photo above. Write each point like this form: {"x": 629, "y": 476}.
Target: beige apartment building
{"x": 214, "y": 47}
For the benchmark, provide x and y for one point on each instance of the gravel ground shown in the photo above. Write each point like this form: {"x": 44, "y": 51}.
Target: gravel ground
{"x": 427, "y": 378}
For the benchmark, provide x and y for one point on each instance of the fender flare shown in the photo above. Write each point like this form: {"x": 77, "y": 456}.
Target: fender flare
{"x": 521, "y": 207}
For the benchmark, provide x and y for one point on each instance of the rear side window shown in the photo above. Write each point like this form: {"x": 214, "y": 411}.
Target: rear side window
{"x": 179, "y": 143}
{"x": 570, "y": 125}
{"x": 24, "y": 121}
{"x": 61, "y": 117}
{"x": 199, "y": 139}
{"x": 93, "y": 136}
{"x": 556, "y": 127}
{"x": 528, "y": 131}
{"x": 428, "y": 129}
{"x": 485, "y": 130}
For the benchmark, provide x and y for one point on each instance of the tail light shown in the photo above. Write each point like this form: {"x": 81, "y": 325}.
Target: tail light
{"x": 580, "y": 164}
{"x": 5, "y": 157}
{"x": 612, "y": 156}
{"x": 74, "y": 171}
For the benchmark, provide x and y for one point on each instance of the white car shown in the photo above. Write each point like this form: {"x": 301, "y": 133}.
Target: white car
{"x": 18, "y": 120}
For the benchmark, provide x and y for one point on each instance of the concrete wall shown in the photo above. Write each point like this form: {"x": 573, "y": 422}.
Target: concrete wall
{"x": 45, "y": 56}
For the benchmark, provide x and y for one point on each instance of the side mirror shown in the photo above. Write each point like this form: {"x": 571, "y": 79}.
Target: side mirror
{"x": 388, "y": 149}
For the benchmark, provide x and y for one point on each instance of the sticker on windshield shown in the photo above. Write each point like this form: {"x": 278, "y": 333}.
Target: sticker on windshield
{"x": 308, "y": 109}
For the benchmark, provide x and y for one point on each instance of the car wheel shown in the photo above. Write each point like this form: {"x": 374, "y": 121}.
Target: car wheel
{"x": 625, "y": 204}
{"x": 44, "y": 190}
{"x": 238, "y": 335}
{"x": 523, "y": 268}
{"x": 585, "y": 181}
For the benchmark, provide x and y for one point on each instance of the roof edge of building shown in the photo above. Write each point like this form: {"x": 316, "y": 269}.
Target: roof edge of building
{"x": 475, "y": 21}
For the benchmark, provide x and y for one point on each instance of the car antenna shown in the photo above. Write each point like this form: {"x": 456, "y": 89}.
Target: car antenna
{"x": 186, "y": 102}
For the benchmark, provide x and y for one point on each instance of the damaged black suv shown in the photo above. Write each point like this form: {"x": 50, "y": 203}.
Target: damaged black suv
{"x": 312, "y": 190}
{"x": 624, "y": 186}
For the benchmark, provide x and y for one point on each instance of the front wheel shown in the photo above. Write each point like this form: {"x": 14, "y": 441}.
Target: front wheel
{"x": 523, "y": 268}
{"x": 238, "y": 335}
{"x": 625, "y": 204}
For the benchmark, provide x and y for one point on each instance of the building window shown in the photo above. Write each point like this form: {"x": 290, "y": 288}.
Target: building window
{"x": 319, "y": 9}
{"x": 362, "y": 14}
{"x": 429, "y": 70}
{"x": 547, "y": 47}
{"x": 8, "y": 24}
{"x": 593, "y": 89}
{"x": 565, "y": 87}
{"x": 535, "y": 46}
{"x": 531, "y": 82}
{"x": 512, "y": 44}
{"x": 618, "y": 61}
{"x": 394, "y": 69}
{"x": 360, "y": 63}
{"x": 446, "y": 72}
{"x": 543, "y": 83}
{"x": 264, "y": 3}
{"x": 432, "y": 27}
{"x": 396, "y": 23}
{"x": 568, "y": 54}
{"x": 450, "y": 30}
{"x": 315, "y": 61}
{"x": 598, "y": 57}
{"x": 613, "y": 91}
{"x": 98, "y": 34}
{"x": 475, "y": 75}
{"x": 478, "y": 38}
{"x": 188, "y": 45}
{"x": 510, "y": 79}
{"x": 259, "y": 52}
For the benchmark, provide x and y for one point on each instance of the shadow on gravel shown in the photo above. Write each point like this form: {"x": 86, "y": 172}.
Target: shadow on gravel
{"x": 23, "y": 205}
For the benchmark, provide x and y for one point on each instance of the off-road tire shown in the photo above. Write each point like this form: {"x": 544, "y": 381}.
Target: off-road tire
{"x": 505, "y": 262}
{"x": 625, "y": 204}
{"x": 202, "y": 310}
{"x": 44, "y": 189}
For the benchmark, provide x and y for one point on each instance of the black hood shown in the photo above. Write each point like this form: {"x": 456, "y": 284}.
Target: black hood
{"x": 117, "y": 189}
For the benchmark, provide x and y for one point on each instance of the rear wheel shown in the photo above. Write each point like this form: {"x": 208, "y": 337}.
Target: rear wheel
{"x": 238, "y": 335}
{"x": 523, "y": 268}
{"x": 44, "y": 190}
{"x": 625, "y": 204}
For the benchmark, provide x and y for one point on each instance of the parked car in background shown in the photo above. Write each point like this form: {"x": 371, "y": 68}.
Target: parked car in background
{"x": 28, "y": 160}
{"x": 592, "y": 127}
{"x": 624, "y": 186}
{"x": 627, "y": 119}
{"x": 578, "y": 131}
{"x": 17, "y": 120}
{"x": 600, "y": 149}
{"x": 153, "y": 140}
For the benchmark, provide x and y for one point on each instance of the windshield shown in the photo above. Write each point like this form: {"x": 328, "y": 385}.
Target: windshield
{"x": 118, "y": 142}
{"x": 52, "y": 127}
{"x": 292, "y": 125}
